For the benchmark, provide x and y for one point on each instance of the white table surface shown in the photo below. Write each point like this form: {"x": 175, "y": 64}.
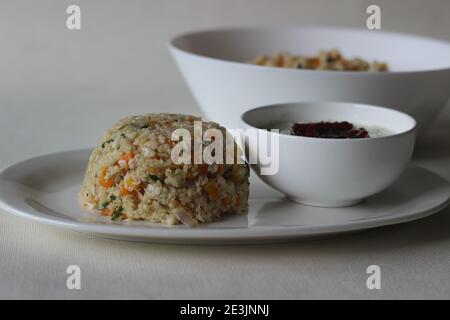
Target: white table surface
{"x": 61, "y": 89}
{"x": 414, "y": 257}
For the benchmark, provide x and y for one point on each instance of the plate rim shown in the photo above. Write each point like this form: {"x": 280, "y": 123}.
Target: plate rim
{"x": 232, "y": 234}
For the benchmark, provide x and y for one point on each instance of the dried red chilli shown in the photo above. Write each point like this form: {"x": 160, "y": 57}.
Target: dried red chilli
{"x": 331, "y": 130}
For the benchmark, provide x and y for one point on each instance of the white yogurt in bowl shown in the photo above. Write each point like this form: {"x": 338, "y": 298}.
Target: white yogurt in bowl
{"x": 332, "y": 172}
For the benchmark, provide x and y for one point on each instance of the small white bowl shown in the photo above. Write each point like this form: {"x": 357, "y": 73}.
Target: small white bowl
{"x": 333, "y": 172}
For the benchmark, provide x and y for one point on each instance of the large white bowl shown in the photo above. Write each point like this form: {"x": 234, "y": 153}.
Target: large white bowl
{"x": 330, "y": 172}
{"x": 212, "y": 62}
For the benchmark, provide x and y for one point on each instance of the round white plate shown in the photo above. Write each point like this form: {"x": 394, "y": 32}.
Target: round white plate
{"x": 45, "y": 189}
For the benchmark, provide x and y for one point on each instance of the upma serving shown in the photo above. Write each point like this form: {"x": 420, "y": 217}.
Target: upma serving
{"x": 131, "y": 175}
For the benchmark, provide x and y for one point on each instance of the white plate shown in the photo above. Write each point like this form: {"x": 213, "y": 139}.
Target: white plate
{"x": 45, "y": 190}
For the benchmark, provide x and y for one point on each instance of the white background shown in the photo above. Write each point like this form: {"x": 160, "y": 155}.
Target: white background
{"x": 62, "y": 89}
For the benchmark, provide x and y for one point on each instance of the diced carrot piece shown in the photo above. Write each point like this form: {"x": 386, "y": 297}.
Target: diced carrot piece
{"x": 124, "y": 191}
{"x": 106, "y": 183}
{"x": 190, "y": 176}
{"x": 221, "y": 169}
{"x": 127, "y": 157}
{"x": 226, "y": 201}
{"x": 238, "y": 200}
{"x": 280, "y": 61}
{"x": 315, "y": 62}
{"x": 212, "y": 190}
{"x": 202, "y": 168}
{"x": 107, "y": 212}
{"x": 103, "y": 172}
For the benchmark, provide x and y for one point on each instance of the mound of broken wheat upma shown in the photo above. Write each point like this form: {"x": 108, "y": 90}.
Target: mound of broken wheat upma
{"x": 131, "y": 175}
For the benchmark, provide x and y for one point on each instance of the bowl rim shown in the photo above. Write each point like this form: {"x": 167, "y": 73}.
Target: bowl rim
{"x": 175, "y": 48}
{"x": 338, "y": 103}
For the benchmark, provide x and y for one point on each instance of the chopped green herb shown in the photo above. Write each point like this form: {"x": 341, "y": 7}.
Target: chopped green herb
{"x": 112, "y": 197}
{"x": 103, "y": 205}
{"x": 123, "y": 135}
{"x": 106, "y": 142}
{"x": 117, "y": 213}
{"x": 154, "y": 178}
{"x": 122, "y": 127}
{"x": 247, "y": 170}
